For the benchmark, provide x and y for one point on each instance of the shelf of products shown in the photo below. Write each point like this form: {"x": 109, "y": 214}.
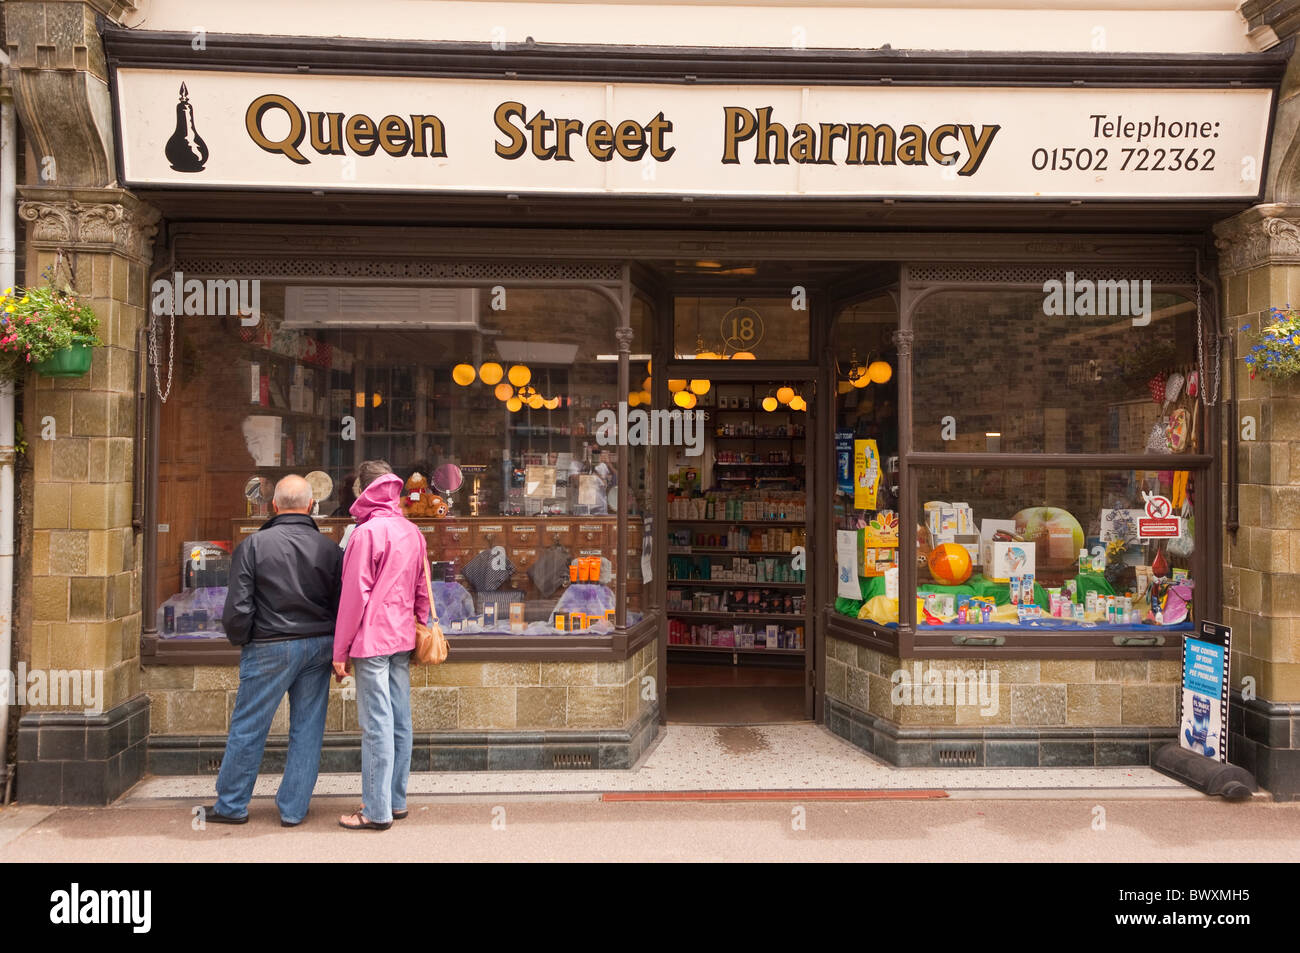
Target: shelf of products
{"x": 771, "y": 637}
{"x": 734, "y": 542}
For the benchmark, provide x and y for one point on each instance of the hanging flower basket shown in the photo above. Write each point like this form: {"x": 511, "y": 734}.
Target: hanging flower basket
{"x": 47, "y": 330}
{"x": 71, "y": 361}
{"x": 1276, "y": 353}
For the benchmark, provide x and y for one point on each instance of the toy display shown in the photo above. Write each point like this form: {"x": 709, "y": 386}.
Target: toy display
{"x": 950, "y": 564}
{"x": 420, "y": 501}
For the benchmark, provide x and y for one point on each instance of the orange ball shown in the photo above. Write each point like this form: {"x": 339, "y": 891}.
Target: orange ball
{"x": 950, "y": 564}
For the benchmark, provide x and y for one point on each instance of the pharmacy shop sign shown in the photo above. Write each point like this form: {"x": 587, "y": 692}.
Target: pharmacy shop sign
{"x": 1203, "y": 720}
{"x": 197, "y": 128}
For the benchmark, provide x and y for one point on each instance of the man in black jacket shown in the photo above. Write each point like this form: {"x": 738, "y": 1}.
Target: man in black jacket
{"x": 280, "y": 607}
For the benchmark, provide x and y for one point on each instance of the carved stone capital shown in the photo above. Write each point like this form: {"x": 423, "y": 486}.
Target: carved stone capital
{"x": 59, "y": 78}
{"x": 624, "y": 338}
{"x": 904, "y": 341}
{"x": 1263, "y": 235}
{"x": 98, "y": 220}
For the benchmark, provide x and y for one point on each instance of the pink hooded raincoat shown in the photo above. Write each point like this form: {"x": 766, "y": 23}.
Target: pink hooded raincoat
{"x": 383, "y": 577}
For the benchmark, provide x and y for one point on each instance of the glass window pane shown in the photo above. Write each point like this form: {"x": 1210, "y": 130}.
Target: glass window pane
{"x": 770, "y": 329}
{"x": 509, "y": 493}
{"x": 1034, "y": 381}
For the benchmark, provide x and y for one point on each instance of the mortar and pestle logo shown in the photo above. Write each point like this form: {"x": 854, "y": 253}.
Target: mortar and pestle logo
{"x": 186, "y": 150}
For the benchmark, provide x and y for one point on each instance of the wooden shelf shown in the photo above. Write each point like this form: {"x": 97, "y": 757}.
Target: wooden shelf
{"x": 740, "y": 617}
{"x": 742, "y": 651}
{"x": 724, "y": 551}
{"x": 723, "y": 584}
{"x": 737, "y": 522}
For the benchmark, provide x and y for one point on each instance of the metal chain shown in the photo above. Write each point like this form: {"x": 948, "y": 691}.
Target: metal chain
{"x": 1209, "y": 395}
{"x": 153, "y": 352}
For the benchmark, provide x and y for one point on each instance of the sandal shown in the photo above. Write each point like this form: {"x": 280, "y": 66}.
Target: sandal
{"x": 358, "y": 822}
{"x": 397, "y": 815}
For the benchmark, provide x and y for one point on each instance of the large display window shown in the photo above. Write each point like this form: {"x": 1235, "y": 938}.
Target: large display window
{"x": 953, "y": 534}
{"x": 1049, "y": 550}
{"x": 487, "y": 404}
{"x": 1012, "y": 372}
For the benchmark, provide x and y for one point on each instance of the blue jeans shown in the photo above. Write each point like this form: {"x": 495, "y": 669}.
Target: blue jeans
{"x": 267, "y": 670}
{"x": 384, "y": 713}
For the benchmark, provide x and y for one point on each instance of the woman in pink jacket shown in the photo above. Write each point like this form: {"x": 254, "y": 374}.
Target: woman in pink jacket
{"x": 383, "y": 592}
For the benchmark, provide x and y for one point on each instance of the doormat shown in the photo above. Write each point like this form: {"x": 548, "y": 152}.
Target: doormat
{"x": 845, "y": 795}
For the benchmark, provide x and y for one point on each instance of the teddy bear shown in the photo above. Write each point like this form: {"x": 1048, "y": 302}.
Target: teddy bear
{"x": 414, "y": 496}
{"x": 419, "y": 501}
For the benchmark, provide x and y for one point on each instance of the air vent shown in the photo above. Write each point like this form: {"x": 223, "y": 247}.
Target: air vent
{"x": 214, "y": 766}
{"x": 578, "y": 761}
{"x": 958, "y": 757}
{"x": 319, "y": 306}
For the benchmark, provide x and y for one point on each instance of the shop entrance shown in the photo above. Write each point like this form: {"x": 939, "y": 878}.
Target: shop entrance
{"x": 739, "y": 594}
{"x": 743, "y": 586}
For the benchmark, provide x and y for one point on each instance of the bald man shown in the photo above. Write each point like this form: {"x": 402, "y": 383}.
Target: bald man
{"x": 280, "y": 609}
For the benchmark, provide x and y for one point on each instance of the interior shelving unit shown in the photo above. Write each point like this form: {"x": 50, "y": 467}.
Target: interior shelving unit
{"x": 747, "y": 449}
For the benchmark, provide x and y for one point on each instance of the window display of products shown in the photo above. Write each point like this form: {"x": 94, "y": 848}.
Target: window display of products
{"x": 1108, "y": 549}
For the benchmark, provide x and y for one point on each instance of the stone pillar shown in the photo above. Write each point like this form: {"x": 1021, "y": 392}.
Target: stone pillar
{"x": 78, "y": 594}
{"x": 1260, "y": 265}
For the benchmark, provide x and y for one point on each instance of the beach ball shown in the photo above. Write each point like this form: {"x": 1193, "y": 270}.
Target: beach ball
{"x": 950, "y": 564}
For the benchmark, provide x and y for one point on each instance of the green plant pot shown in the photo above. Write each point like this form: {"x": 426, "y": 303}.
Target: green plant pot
{"x": 72, "y": 361}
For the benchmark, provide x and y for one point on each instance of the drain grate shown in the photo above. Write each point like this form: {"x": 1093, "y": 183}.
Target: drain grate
{"x": 960, "y": 757}
{"x": 578, "y": 761}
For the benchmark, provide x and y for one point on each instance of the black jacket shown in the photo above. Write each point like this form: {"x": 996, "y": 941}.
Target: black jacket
{"x": 284, "y": 582}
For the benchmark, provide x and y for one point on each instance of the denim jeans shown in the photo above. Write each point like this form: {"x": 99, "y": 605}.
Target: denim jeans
{"x": 267, "y": 670}
{"x": 384, "y": 713}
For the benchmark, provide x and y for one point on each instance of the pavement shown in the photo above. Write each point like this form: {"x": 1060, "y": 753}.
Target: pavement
{"x": 788, "y": 792}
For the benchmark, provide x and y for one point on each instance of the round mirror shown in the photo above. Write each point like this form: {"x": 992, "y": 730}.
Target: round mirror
{"x": 448, "y": 478}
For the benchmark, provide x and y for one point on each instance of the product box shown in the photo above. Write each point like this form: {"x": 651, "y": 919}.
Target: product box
{"x": 971, "y": 543}
{"x": 205, "y": 563}
{"x": 987, "y": 529}
{"x": 1010, "y": 559}
{"x": 516, "y": 617}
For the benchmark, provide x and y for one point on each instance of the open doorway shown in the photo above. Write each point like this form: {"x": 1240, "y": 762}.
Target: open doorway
{"x": 783, "y": 391}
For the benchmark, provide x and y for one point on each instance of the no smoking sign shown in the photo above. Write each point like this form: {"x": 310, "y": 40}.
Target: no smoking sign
{"x": 1158, "y": 523}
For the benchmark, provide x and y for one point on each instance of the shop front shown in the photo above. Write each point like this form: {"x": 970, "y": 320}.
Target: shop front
{"x": 780, "y": 393}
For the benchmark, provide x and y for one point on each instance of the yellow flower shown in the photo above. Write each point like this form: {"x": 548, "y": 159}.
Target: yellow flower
{"x": 9, "y": 309}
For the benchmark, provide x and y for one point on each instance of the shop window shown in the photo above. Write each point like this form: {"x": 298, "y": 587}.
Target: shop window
{"x": 1007, "y": 371}
{"x": 764, "y": 329}
{"x": 865, "y": 500}
{"x": 487, "y": 412}
{"x": 1046, "y": 550}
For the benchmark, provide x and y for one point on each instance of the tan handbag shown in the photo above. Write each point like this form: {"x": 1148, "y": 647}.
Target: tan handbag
{"x": 430, "y": 644}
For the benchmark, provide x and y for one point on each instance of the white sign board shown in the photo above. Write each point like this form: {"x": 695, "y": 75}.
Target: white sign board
{"x": 238, "y": 129}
